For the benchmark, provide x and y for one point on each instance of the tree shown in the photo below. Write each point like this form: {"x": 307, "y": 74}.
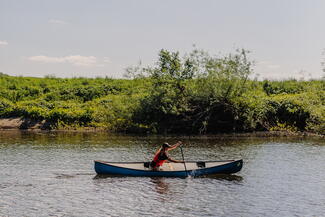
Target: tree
{"x": 166, "y": 105}
{"x": 194, "y": 93}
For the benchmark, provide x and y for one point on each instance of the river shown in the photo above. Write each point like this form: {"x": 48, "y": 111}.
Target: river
{"x": 51, "y": 174}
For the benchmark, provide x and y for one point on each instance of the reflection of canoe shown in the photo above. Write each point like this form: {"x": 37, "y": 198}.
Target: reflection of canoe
{"x": 199, "y": 168}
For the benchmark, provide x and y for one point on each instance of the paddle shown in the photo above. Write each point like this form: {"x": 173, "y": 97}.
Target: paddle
{"x": 183, "y": 160}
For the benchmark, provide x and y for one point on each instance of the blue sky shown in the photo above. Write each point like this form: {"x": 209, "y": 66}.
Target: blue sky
{"x": 101, "y": 38}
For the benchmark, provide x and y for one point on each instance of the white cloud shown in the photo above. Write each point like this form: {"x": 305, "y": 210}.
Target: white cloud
{"x": 55, "y": 21}
{"x": 81, "y": 60}
{"x": 3, "y": 43}
{"x": 76, "y": 60}
{"x": 107, "y": 60}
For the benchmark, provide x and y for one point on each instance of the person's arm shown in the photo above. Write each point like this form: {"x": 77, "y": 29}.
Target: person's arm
{"x": 175, "y": 145}
{"x": 175, "y": 161}
{"x": 157, "y": 151}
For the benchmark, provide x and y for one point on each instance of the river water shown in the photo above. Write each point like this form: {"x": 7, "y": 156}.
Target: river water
{"x": 51, "y": 174}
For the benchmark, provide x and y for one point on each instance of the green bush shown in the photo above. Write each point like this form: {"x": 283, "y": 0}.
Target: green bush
{"x": 5, "y": 107}
{"x": 198, "y": 93}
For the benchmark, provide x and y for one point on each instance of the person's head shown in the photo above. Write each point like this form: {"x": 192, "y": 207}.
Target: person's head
{"x": 165, "y": 145}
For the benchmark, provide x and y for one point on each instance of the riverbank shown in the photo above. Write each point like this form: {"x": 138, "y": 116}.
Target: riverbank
{"x": 37, "y": 125}
{"x": 199, "y": 101}
{"x": 23, "y": 124}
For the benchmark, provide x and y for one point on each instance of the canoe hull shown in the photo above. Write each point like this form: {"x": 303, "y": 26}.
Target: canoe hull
{"x": 228, "y": 167}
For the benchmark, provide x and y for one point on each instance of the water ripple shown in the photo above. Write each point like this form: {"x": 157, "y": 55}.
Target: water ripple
{"x": 53, "y": 176}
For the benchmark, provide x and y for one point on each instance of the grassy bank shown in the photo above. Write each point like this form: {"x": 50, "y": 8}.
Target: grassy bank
{"x": 194, "y": 94}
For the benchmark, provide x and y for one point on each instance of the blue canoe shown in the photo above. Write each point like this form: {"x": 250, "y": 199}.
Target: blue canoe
{"x": 200, "y": 168}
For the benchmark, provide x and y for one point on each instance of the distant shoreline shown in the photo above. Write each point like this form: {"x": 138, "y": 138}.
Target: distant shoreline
{"x": 14, "y": 124}
{"x": 163, "y": 105}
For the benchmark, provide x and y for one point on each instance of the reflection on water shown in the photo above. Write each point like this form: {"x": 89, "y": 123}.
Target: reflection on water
{"x": 161, "y": 186}
{"x": 228, "y": 177}
{"x": 44, "y": 174}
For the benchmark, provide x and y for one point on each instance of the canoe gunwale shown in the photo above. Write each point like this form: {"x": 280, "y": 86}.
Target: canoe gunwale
{"x": 139, "y": 162}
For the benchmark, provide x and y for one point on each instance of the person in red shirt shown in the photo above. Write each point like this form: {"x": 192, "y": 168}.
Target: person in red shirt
{"x": 161, "y": 156}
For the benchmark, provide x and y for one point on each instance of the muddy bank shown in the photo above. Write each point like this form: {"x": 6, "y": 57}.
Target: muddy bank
{"x": 32, "y": 124}
{"x": 23, "y": 124}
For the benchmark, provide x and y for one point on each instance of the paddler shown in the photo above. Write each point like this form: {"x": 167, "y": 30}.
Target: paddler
{"x": 161, "y": 156}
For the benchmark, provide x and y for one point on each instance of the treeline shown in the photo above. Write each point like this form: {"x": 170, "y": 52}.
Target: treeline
{"x": 196, "y": 94}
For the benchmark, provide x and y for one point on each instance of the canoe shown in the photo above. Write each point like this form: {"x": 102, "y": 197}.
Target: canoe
{"x": 199, "y": 168}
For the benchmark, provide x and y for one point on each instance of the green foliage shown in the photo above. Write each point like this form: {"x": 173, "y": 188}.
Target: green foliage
{"x": 65, "y": 103}
{"x": 303, "y": 111}
{"x": 164, "y": 109}
{"x": 198, "y": 93}
{"x": 286, "y": 87}
{"x": 70, "y": 114}
{"x": 194, "y": 94}
{"x": 220, "y": 83}
{"x": 5, "y": 107}
{"x": 251, "y": 109}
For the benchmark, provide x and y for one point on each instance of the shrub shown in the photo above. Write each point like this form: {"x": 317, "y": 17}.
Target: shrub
{"x": 5, "y": 107}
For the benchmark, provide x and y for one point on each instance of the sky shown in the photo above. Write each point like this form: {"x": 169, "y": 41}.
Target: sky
{"x": 99, "y": 38}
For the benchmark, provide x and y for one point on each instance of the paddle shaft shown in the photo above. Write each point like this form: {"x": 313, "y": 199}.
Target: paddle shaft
{"x": 183, "y": 160}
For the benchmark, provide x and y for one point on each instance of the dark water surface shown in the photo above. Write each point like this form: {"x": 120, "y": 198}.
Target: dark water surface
{"x": 51, "y": 174}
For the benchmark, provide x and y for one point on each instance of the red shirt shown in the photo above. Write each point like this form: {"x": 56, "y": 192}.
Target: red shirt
{"x": 159, "y": 159}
